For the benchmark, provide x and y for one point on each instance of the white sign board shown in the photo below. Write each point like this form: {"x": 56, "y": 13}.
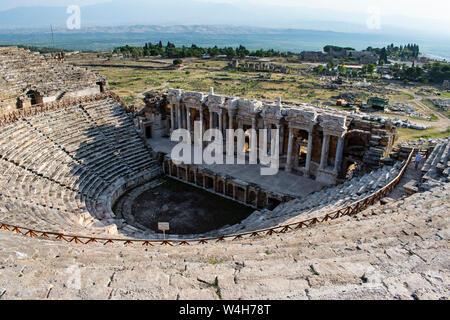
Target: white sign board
{"x": 163, "y": 226}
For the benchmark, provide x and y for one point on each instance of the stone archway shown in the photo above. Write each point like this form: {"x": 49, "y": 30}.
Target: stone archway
{"x": 356, "y": 143}
{"x": 35, "y": 97}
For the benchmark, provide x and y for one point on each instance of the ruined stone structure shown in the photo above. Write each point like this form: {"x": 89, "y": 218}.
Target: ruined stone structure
{"x": 446, "y": 84}
{"x": 226, "y": 186}
{"x": 29, "y": 78}
{"x": 314, "y": 142}
{"x": 313, "y": 56}
{"x": 259, "y": 66}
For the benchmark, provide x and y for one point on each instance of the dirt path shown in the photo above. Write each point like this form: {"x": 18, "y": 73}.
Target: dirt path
{"x": 142, "y": 94}
{"x": 442, "y": 124}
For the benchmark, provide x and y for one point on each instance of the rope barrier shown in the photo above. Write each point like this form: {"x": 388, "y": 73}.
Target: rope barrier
{"x": 350, "y": 210}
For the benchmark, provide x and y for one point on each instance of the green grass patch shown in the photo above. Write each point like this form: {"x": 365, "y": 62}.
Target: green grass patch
{"x": 434, "y": 135}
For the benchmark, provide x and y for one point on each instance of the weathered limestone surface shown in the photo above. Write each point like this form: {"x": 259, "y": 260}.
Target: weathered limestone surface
{"x": 396, "y": 251}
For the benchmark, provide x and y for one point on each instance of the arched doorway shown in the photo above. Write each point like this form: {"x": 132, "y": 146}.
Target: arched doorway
{"x": 35, "y": 97}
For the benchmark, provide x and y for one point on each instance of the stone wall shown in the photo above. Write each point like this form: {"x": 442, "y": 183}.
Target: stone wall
{"x": 259, "y": 66}
{"x": 314, "y": 141}
{"x": 226, "y": 186}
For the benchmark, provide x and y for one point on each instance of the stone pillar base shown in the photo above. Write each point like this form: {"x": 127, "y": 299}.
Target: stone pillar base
{"x": 327, "y": 177}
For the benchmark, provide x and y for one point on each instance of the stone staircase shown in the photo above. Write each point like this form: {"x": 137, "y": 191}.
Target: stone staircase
{"x": 317, "y": 204}
{"x": 437, "y": 165}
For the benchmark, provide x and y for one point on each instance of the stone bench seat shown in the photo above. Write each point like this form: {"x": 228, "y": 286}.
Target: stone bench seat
{"x": 116, "y": 173}
{"x": 68, "y": 162}
{"x": 104, "y": 164}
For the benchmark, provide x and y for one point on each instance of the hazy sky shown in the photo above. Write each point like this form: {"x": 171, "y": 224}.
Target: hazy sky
{"x": 400, "y": 12}
{"x": 436, "y": 9}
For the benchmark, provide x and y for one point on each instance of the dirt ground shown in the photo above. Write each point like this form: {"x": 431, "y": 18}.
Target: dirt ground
{"x": 189, "y": 210}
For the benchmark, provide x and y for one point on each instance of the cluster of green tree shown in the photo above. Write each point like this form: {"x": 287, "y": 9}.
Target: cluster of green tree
{"x": 396, "y": 52}
{"x": 172, "y": 51}
{"x": 438, "y": 71}
{"x": 435, "y": 72}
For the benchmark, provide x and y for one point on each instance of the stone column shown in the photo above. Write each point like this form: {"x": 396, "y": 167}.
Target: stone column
{"x": 290, "y": 147}
{"x": 220, "y": 122}
{"x": 201, "y": 121}
{"x": 230, "y": 119}
{"x": 172, "y": 118}
{"x": 339, "y": 155}
{"x": 309, "y": 155}
{"x": 279, "y": 139}
{"x": 268, "y": 137}
{"x": 281, "y": 129}
{"x": 182, "y": 116}
{"x": 211, "y": 120}
{"x": 325, "y": 146}
{"x": 254, "y": 143}
{"x": 297, "y": 148}
{"x": 179, "y": 116}
{"x": 224, "y": 124}
{"x": 188, "y": 116}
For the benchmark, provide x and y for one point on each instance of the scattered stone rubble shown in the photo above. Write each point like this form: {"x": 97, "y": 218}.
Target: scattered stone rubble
{"x": 408, "y": 110}
{"x": 442, "y": 104}
{"x": 399, "y": 123}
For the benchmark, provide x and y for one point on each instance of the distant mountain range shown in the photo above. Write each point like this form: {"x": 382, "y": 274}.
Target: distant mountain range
{"x": 195, "y": 12}
{"x": 134, "y": 22}
{"x": 295, "y": 40}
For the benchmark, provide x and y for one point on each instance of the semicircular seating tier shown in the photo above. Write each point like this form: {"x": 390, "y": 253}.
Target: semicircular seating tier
{"x": 63, "y": 170}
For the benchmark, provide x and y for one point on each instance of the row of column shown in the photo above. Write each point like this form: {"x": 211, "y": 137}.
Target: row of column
{"x": 246, "y": 191}
{"x": 291, "y": 149}
{"x": 325, "y": 151}
{"x": 324, "y": 154}
{"x": 181, "y": 118}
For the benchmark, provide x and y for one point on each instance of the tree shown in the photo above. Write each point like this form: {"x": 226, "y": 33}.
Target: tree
{"x": 383, "y": 57}
{"x": 177, "y": 62}
{"x": 330, "y": 64}
{"x": 342, "y": 69}
{"x": 319, "y": 69}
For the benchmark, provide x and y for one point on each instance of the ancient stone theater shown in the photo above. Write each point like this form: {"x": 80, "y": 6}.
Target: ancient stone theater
{"x": 92, "y": 205}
